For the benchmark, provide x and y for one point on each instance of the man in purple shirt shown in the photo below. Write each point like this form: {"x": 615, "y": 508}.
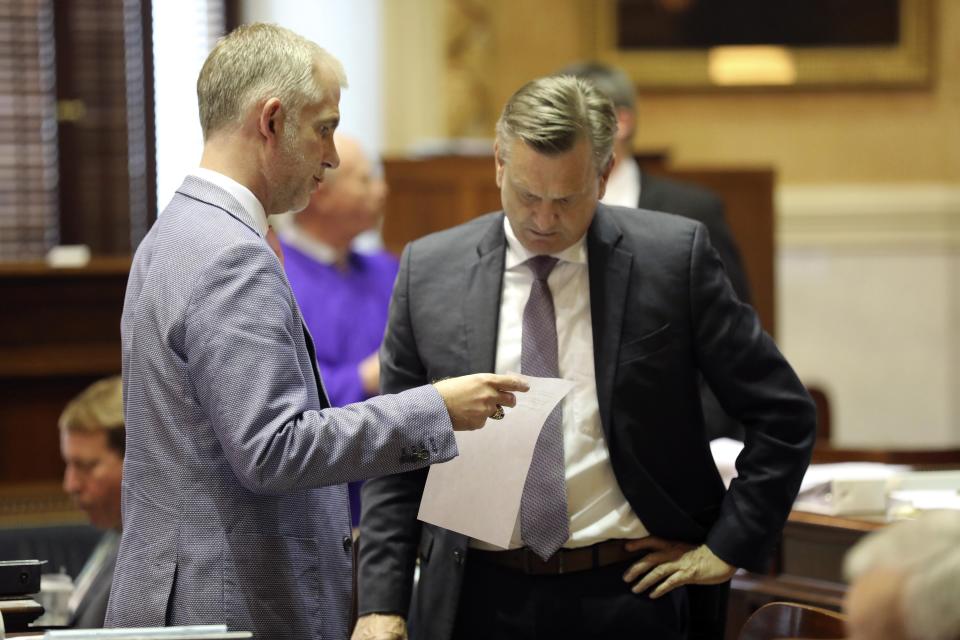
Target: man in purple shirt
{"x": 343, "y": 294}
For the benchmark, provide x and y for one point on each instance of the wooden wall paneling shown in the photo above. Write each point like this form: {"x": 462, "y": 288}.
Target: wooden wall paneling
{"x": 435, "y": 193}
{"x": 748, "y": 196}
{"x": 59, "y": 331}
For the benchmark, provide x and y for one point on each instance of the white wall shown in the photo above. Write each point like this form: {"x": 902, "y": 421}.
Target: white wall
{"x": 180, "y": 45}
{"x": 868, "y": 298}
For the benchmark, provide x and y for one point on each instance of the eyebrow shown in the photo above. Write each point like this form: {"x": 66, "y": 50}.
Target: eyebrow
{"x": 521, "y": 187}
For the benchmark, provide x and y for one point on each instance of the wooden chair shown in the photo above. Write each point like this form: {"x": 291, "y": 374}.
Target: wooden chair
{"x": 790, "y": 620}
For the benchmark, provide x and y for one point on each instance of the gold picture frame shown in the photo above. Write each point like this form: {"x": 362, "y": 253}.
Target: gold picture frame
{"x": 908, "y": 64}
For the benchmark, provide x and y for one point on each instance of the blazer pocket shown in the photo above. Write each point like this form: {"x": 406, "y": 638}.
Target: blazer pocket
{"x": 263, "y": 566}
{"x": 646, "y": 345}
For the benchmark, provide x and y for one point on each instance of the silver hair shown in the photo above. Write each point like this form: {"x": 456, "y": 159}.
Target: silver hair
{"x": 552, "y": 114}
{"x": 255, "y": 62}
{"x": 609, "y": 81}
{"x": 927, "y": 552}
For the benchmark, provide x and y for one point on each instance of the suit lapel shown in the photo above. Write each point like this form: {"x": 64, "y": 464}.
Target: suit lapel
{"x": 312, "y": 353}
{"x": 609, "y": 269}
{"x": 481, "y": 307}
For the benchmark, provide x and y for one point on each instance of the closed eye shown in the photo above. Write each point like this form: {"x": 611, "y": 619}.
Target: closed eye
{"x": 528, "y": 198}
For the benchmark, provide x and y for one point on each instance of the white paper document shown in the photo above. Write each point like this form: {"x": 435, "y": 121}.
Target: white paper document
{"x": 478, "y": 492}
{"x": 190, "y": 632}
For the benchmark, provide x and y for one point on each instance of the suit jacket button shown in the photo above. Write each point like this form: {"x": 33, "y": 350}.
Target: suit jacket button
{"x": 347, "y": 543}
{"x": 458, "y": 556}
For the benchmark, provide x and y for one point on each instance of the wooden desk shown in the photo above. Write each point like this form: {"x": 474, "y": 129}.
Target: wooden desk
{"x": 806, "y": 568}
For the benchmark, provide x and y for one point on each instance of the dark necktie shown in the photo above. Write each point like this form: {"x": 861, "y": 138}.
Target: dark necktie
{"x": 544, "y": 523}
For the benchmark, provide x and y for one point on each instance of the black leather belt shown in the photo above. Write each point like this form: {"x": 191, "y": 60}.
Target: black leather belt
{"x": 563, "y": 561}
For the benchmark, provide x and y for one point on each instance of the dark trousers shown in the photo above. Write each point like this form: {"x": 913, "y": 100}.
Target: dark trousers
{"x": 501, "y": 604}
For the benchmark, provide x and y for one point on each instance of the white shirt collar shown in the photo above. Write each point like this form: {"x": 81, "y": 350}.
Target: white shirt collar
{"x": 623, "y": 185}
{"x": 517, "y": 254}
{"x": 242, "y": 195}
{"x": 293, "y": 235}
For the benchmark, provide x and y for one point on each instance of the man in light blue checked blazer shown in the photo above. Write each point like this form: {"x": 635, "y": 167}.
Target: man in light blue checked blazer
{"x": 234, "y": 504}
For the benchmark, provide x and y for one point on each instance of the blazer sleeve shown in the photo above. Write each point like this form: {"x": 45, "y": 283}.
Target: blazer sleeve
{"x": 389, "y": 529}
{"x": 244, "y": 350}
{"x": 754, "y": 384}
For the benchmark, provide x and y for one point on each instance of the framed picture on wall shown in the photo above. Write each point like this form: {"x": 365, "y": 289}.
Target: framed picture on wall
{"x": 722, "y": 44}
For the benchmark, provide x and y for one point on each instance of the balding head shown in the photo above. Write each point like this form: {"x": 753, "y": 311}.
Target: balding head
{"x": 350, "y": 199}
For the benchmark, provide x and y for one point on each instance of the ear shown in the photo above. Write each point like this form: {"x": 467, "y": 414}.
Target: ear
{"x": 270, "y": 119}
{"x": 605, "y": 175}
{"x": 498, "y": 161}
{"x": 626, "y": 123}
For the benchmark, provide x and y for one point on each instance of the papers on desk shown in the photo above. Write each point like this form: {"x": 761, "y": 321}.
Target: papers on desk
{"x": 846, "y": 488}
{"x": 855, "y": 488}
{"x": 478, "y": 492}
{"x": 192, "y": 632}
{"x": 924, "y": 491}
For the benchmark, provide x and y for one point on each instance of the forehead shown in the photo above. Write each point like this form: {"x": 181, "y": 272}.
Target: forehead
{"x": 569, "y": 171}
{"x": 86, "y": 442}
{"x": 328, "y": 82}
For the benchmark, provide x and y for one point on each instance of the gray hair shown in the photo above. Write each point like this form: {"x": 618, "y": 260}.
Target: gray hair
{"x": 552, "y": 114}
{"x": 927, "y": 552}
{"x": 609, "y": 81}
{"x": 255, "y": 62}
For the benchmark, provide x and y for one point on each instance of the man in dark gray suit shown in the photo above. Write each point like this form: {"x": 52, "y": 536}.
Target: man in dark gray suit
{"x": 234, "y": 504}
{"x": 92, "y": 442}
{"x": 629, "y": 186}
{"x": 625, "y": 529}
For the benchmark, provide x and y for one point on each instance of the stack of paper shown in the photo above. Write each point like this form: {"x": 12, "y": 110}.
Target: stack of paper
{"x": 193, "y": 632}
{"x": 847, "y": 488}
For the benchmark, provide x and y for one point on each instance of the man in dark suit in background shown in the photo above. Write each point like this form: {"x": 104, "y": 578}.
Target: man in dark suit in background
{"x": 629, "y": 186}
{"x": 624, "y": 520}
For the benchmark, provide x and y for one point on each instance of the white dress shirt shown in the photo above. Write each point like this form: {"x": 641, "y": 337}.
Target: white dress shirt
{"x": 242, "y": 195}
{"x": 623, "y": 185}
{"x": 296, "y": 237}
{"x": 597, "y": 508}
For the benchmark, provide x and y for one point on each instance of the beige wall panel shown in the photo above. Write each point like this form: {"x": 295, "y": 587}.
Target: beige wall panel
{"x": 414, "y": 72}
{"x": 868, "y": 292}
{"x": 808, "y": 136}
{"x": 874, "y": 329}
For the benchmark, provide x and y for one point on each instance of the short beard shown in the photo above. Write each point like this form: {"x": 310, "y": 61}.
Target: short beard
{"x": 289, "y": 191}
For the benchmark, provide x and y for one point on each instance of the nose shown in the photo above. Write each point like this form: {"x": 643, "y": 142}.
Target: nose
{"x": 331, "y": 159}
{"x": 380, "y": 191}
{"x": 543, "y": 216}
{"x": 71, "y": 481}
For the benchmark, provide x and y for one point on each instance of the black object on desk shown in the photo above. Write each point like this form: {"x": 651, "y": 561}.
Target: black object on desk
{"x": 19, "y": 579}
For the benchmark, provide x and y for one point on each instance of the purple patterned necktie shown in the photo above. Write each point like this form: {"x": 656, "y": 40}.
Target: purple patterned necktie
{"x": 544, "y": 523}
